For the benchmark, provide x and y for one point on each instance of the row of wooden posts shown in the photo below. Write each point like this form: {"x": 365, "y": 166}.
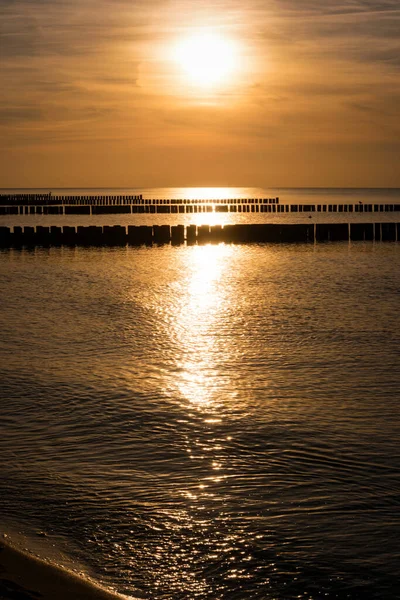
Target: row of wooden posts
{"x": 49, "y": 200}
{"x": 179, "y": 234}
{"x": 194, "y": 208}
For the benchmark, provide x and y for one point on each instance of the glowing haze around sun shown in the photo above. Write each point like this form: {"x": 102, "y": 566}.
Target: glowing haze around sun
{"x": 206, "y": 58}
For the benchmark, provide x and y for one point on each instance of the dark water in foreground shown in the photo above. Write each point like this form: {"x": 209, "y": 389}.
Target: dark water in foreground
{"x": 214, "y": 422}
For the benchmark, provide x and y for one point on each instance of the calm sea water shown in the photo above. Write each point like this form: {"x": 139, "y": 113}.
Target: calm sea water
{"x": 207, "y": 422}
{"x": 286, "y": 196}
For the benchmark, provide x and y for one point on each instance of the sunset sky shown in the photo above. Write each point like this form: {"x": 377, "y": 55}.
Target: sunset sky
{"x": 117, "y": 93}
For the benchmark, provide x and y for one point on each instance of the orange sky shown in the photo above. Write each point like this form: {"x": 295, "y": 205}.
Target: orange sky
{"x": 91, "y": 94}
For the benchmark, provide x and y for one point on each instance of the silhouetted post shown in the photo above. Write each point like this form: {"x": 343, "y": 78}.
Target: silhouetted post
{"x": 29, "y": 237}
{"x": 227, "y": 234}
{"x": 216, "y": 234}
{"x": 177, "y": 234}
{"x": 388, "y": 232}
{"x": 269, "y": 233}
{"x": 133, "y": 235}
{"x": 203, "y": 234}
{"x": 112, "y": 209}
{"x": 331, "y": 232}
{"x": 76, "y": 209}
{"x": 69, "y": 235}
{"x": 161, "y": 234}
{"x": 191, "y": 234}
{"x": 114, "y": 235}
{"x": 42, "y": 236}
{"x": 55, "y": 236}
{"x": 89, "y": 236}
{"x": 236, "y": 234}
{"x": 140, "y": 235}
{"x": 17, "y": 237}
{"x": 5, "y": 237}
{"x": 361, "y": 232}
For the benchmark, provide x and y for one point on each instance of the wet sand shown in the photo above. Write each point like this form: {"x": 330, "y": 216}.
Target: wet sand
{"x": 25, "y": 577}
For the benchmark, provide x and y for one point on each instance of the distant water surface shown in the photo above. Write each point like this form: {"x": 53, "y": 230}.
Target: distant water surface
{"x": 285, "y": 195}
{"x": 207, "y": 422}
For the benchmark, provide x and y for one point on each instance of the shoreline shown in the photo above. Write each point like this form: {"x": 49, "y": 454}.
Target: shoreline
{"x": 26, "y": 577}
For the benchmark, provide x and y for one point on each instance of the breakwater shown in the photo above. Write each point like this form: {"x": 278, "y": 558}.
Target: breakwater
{"x": 51, "y": 200}
{"x": 118, "y": 235}
{"x": 46, "y": 204}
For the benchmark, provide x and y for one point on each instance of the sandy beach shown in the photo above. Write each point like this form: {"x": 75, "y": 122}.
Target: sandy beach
{"x": 25, "y": 577}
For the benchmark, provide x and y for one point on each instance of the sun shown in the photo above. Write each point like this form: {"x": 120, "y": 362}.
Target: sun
{"x": 207, "y": 58}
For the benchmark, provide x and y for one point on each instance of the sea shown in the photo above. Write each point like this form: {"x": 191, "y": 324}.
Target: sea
{"x": 207, "y": 422}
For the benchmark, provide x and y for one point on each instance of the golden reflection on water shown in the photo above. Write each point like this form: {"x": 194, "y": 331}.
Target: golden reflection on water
{"x": 211, "y": 193}
{"x": 197, "y": 322}
{"x": 205, "y": 298}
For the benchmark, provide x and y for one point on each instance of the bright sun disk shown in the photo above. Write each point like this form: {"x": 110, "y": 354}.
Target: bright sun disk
{"x": 207, "y": 58}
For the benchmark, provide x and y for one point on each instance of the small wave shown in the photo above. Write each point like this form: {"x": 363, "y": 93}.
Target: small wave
{"x": 26, "y": 577}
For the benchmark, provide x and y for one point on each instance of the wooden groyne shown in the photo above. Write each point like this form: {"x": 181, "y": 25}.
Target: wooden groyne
{"x": 18, "y": 237}
{"x": 51, "y": 200}
{"x": 40, "y": 204}
{"x": 46, "y": 204}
